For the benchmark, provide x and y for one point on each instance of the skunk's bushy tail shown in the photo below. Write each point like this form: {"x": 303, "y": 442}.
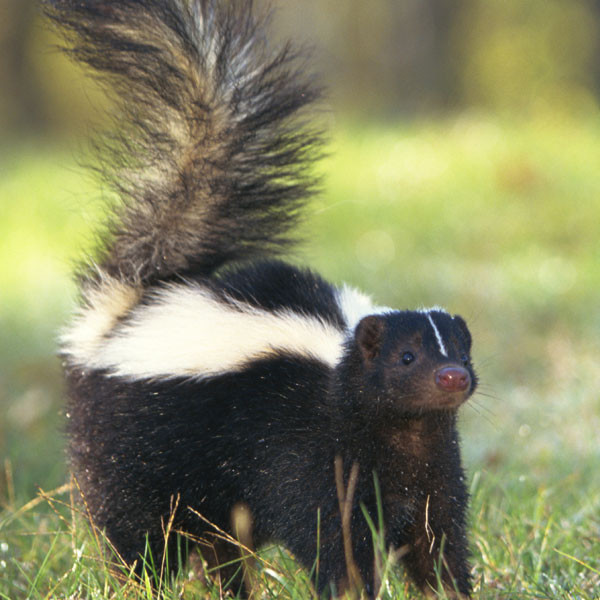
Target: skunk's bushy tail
{"x": 209, "y": 159}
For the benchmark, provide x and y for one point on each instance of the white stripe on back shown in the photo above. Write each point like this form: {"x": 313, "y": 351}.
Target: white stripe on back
{"x": 355, "y": 305}
{"x": 186, "y": 331}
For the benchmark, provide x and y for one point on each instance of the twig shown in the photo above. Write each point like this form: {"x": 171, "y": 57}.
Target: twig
{"x": 345, "y": 498}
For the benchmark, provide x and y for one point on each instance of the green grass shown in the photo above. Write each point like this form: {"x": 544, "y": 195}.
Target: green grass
{"x": 497, "y": 221}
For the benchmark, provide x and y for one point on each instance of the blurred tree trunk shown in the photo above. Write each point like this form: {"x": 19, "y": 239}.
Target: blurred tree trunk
{"x": 21, "y": 101}
{"x": 595, "y": 9}
{"x": 383, "y": 56}
{"x": 446, "y": 16}
{"x": 423, "y": 63}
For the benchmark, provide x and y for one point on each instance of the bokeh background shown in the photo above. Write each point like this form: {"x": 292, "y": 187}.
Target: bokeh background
{"x": 463, "y": 170}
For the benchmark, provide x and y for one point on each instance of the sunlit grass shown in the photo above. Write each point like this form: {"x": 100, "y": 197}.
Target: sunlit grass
{"x": 498, "y": 221}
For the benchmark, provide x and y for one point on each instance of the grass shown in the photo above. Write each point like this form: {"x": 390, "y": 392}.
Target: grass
{"x": 498, "y": 221}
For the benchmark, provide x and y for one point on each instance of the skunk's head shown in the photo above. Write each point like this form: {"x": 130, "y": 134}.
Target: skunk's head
{"x": 414, "y": 361}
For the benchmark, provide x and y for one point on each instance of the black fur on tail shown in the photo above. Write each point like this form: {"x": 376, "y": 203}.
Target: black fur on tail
{"x": 208, "y": 159}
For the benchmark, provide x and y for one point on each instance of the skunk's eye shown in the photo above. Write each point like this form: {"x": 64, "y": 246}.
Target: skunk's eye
{"x": 408, "y": 357}
{"x": 465, "y": 359}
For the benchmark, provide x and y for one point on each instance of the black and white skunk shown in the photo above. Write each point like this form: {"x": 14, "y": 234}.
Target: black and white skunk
{"x": 204, "y": 373}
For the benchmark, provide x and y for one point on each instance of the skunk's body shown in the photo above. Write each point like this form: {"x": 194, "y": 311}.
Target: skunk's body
{"x": 204, "y": 373}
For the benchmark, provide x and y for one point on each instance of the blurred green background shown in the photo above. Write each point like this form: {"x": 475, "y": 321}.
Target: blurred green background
{"x": 463, "y": 171}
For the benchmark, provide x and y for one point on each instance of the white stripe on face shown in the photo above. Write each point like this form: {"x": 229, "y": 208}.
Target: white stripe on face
{"x": 438, "y": 336}
{"x": 427, "y": 312}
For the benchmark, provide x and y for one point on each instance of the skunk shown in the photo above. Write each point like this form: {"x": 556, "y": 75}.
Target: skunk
{"x": 203, "y": 372}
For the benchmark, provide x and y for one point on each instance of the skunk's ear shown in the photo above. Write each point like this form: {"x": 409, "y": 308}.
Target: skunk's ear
{"x": 462, "y": 325}
{"x": 369, "y": 337}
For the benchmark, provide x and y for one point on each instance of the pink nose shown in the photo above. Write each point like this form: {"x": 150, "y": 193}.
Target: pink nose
{"x": 453, "y": 379}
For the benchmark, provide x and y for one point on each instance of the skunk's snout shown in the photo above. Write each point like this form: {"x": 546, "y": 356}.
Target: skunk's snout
{"x": 453, "y": 379}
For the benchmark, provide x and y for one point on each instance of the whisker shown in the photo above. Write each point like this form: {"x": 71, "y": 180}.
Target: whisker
{"x": 488, "y": 395}
{"x": 487, "y": 418}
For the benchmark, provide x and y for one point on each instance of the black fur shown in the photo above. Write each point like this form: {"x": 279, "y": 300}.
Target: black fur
{"x": 211, "y": 168}
{"x": 275, "y": 285}
{"x": 268, "y": 437}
